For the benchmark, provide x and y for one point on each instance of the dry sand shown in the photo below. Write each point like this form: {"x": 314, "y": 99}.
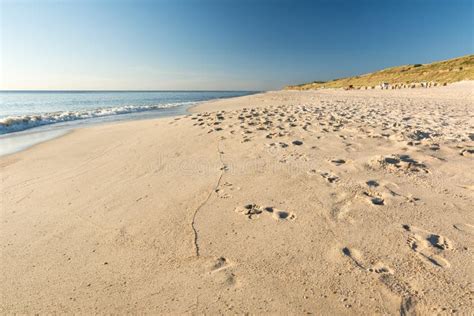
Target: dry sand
{"x": 329, "y": 202}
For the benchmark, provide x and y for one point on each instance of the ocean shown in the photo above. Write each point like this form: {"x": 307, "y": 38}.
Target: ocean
{"x": 30, "y": 117}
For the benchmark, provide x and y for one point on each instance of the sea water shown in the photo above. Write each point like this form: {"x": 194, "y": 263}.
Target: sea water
{"x": 30, "y": 117}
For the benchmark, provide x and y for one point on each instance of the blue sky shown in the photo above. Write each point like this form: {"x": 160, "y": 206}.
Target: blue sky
{"x": 221, "y": 44}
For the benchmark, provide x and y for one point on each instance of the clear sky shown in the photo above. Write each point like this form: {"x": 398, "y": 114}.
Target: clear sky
{"x": 221, "y": 44}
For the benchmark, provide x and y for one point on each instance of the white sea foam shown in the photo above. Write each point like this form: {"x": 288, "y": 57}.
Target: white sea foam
{"x": 18, "y": 123}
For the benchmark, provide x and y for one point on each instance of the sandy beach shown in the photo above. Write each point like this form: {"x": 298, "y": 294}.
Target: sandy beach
{"x": 327, "y": 202}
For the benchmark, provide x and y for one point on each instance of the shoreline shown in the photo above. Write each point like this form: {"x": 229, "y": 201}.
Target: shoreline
{"x": 340, "y": 202}
{"x": 10, "y": 144}
{"x": 49, "y": 132}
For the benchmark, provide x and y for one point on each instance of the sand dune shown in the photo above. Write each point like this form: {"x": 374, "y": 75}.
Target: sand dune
{"x": 329, "y": 202}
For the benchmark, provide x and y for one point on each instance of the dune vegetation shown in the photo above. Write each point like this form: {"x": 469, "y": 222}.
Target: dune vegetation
{"x": 441, "y": 73}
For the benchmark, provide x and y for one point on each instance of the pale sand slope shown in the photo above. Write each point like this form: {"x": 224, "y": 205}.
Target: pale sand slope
{"x": 370, "y": 213}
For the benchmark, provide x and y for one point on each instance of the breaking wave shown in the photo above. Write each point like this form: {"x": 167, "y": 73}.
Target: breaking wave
{"x": 12, "y": 124}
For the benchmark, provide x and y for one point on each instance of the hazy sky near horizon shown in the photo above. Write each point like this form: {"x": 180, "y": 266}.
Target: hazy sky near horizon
{"x": 220, "y": 44}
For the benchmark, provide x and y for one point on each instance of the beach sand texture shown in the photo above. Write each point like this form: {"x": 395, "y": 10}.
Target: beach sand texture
{"x": 329, "y": 202}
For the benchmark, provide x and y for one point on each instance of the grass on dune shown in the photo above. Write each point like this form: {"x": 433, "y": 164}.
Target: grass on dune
{"x": 448, "y": 71}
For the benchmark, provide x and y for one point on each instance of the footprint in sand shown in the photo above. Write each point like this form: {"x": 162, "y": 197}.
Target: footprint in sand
{"x": 312, "y": 172}
{"x": 222, "y": 194}
{"x": 354, "y": 255}
{"x": 219, "y": 264}
{"x": 245, "y": 139}
{"x": 382, "y": 272}
{"x": 380, "y": 268}
{"x": 359, "y": 261}
{"x": 338, "y": 162}
{"x": 467, "y": 152}
{"x": 221, "y": 272}
{"x": 433, "y": 147}
{"x": 280, "y": 215}
{"x": 428, "y": 245}
{"x": 222, "y": 191}
{"x": 372, "y": 184}
{"x": 389, "y": 190}
{"x": 374, "y": 198}
{"x": 397, "y": 163}
{"x": 278, "y": 144}
{"x": 253, "y": 211}
{"x": 329, "y": 177}
{"x": 274, "y": 148}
